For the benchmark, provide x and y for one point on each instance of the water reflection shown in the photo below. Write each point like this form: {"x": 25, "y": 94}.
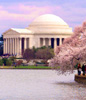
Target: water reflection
{"x": 39, "y": 85}
{"x": 75, "y": 84}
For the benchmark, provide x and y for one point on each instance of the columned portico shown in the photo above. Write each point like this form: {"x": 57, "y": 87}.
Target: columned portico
{"x": 14, "y": 45}
{"x": 47, "y": 41}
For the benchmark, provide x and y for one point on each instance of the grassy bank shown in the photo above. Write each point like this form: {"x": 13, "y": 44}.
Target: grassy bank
{"x": 25, "y": 67}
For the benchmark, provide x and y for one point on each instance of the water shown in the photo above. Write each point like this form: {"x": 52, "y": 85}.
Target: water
{"x": 39, "y": 85}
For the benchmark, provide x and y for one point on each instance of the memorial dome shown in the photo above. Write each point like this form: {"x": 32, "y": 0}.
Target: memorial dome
{"x": 48, "y": 19}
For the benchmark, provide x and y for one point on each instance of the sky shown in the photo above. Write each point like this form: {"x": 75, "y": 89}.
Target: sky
{"x": 20, "y": 13}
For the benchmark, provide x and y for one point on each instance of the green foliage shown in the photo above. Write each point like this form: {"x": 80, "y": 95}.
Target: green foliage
{"x": 12, "y": 58}
{"x": 43, "y": 47}
{"x": 1, "y": 38}
{"x": 8, "y": 62}
{"x": 1, "y": 62}
{"x": 76, "y": 65}
{"x": 4, "y": 61}
{"x": 1, "y": 45}
{"x": 34, "y": 49}
{"x": 1, "y": 49}
{"x": 52, "y": 51}
{"x": 32, "y": 67}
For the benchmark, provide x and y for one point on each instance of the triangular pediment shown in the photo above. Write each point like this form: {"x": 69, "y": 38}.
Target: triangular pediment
{"x": 10, "y": 32}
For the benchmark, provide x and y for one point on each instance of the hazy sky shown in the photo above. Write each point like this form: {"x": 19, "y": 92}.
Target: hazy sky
{"x": 20, "y": 13}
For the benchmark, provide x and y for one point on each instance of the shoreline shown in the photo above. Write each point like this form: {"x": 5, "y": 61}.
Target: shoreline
{"x": 80, "y": 78}
{"x": 26, "y": 67}
{"x": 29, "y": 68}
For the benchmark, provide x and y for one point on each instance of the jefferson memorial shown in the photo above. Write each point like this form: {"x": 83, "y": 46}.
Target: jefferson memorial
{"x": 45, "y": 30}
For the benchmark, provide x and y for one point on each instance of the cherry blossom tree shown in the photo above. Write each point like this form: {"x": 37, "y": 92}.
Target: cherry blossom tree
{"x": 71, "y": 52}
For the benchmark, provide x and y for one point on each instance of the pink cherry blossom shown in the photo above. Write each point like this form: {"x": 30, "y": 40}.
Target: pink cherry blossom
{"x": 71, "y": 52}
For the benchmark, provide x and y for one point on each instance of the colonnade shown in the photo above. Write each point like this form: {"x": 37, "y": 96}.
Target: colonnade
{"x": 12, "y": 46}
{"x": 47, "y": 41}
{"x": 16, "y": 46}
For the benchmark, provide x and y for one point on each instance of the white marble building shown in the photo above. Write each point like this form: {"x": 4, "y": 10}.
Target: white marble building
{"x": 46, "y": 30}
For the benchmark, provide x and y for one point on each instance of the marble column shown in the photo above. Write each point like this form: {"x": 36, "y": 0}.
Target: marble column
{"x": 44, "y": 42}
{"x": 49, "y": 41}
{"x": 13, "y": 46}
{"x": 28, "y": 42}
{"x": 20, "y": 43}
{"x": 4, "y": 45}
{"x": 17, "y": 46}
{"x": 39, "y": 42}
{"x": 55, "y": 42}
{"x": 8, "y": 46}
{"x": 25, "y": 43}
{"x": 60, "y": 41}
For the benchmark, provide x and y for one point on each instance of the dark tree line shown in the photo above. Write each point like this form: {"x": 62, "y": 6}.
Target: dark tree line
{"x": 1, "y": 45}
{"x": 38, "y": 53}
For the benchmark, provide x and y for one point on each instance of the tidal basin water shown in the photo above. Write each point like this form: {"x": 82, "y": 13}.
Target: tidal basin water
{"x": 39, "y": 85}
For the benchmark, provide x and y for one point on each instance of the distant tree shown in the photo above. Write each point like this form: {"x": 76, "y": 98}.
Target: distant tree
{"x": 1, "y": 62}
{"x": 1, "y": 45}
{"x": 43, "y": 47}
{"x": 72, "y": 51}
{"x": 1, "y": 38}
{"x": 28, "y": 54}
{"x": 44, "y": 54}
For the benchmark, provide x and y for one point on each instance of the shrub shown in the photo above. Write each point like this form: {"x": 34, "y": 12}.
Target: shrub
{"x": 44, "y": 54}
{"x": 19, "y": 62}
{"x": 8, "y": 62}
{"x": 12, "y": 58}
{"x": 28, "y": 54}
{"x": 1, "y": 62}
{"x": 4, "y": 60}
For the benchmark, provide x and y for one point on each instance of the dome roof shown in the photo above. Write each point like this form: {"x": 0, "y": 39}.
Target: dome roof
{"x": 48, "y": 19}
